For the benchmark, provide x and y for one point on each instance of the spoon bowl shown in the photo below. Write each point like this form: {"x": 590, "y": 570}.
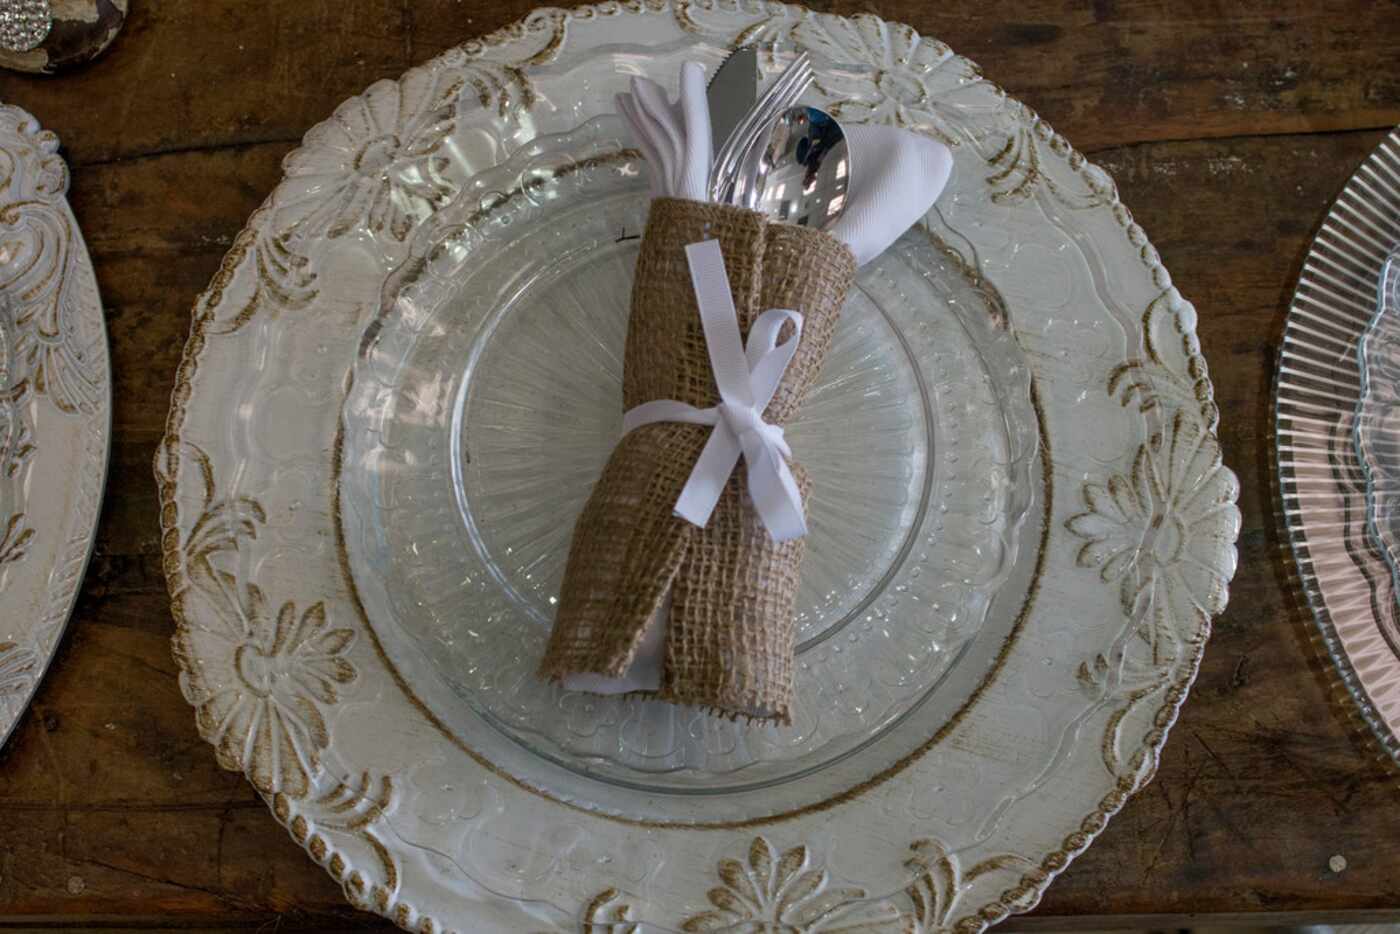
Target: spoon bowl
{"x": 798, "y": 172}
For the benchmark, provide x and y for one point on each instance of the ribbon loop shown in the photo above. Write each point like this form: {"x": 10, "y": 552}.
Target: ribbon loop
{"x": 747, "y": 377}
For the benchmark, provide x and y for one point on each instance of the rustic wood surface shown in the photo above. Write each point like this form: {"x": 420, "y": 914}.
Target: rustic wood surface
{"x": 1228, "y": 126}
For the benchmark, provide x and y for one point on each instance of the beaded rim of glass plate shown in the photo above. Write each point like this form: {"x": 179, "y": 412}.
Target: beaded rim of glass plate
{"x": 275, "y": 682}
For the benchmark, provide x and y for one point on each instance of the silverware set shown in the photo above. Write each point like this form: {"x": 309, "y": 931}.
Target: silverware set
{"x": 788, "y": 161}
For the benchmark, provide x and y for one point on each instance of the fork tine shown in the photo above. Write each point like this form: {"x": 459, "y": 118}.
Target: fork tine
{"x": 782, "y": 93}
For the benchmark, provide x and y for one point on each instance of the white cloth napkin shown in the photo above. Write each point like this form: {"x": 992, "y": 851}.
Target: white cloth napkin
{"x": 674, "y": 137}
{"x": 896, "y": 177}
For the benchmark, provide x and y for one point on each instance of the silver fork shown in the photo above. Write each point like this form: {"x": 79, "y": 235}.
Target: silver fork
{"x": 780, "y": 95}
{"x": 783, "y": 92}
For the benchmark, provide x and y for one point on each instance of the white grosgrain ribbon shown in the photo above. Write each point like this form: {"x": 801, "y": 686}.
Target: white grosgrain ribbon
{"x": 747, "y": 378}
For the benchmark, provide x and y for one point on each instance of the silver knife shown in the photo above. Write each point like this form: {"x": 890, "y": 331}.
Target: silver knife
{"x": 731, "y": 92}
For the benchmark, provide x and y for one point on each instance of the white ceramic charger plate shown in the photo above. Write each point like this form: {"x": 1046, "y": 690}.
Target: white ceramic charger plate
{"x": 55, "y": 407}
{"x": 423, "y": 803}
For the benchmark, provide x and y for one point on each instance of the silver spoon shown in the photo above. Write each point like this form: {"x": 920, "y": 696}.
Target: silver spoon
{"x": 799, "y": 171}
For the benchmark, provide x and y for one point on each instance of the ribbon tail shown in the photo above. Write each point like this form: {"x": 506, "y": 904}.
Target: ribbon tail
{"x": 767, "y": 359}
{"x": 707, "y": 479}
{"x": 720, "y": 322}
{"x": 774, "y": 492}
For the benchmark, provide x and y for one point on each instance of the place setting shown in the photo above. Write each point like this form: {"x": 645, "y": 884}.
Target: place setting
{"x": 692, "y": 467}
{"x": 696, "y": 466}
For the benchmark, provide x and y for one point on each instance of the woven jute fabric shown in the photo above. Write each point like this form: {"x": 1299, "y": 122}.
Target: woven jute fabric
{"x": 729, "y": 638}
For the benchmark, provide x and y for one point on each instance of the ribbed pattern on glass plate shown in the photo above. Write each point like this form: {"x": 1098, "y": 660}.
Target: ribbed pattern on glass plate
{"x": 1323, "y": 486}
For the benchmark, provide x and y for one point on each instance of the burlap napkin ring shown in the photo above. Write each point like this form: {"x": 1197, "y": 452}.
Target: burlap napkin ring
{"x": 729, "y": 635}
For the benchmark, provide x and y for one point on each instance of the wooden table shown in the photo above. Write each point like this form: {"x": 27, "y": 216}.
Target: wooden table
{"x": 1228, "y": 126}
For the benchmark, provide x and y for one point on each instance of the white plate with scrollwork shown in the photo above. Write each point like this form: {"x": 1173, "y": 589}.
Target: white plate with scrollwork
{"x": 55, "y": 407}
{"x": 401, "y": 384}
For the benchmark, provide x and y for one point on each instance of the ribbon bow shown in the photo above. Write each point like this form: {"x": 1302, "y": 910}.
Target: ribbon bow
{"x": 747, "y": 378}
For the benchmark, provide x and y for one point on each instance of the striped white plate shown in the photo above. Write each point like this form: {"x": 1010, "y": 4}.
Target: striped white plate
{"x": 1346, "y": 578}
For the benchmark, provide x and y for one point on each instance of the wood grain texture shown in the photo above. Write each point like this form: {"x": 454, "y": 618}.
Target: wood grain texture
{"x": 1229, "y": 128}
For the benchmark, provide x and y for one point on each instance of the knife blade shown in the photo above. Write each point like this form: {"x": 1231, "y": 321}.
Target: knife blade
{"x": 731, "y": 92}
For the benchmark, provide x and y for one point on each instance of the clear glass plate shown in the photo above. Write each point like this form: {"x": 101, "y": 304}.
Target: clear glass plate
{"x": 488, "y": 396}
{"x": 1340, "y": 542}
